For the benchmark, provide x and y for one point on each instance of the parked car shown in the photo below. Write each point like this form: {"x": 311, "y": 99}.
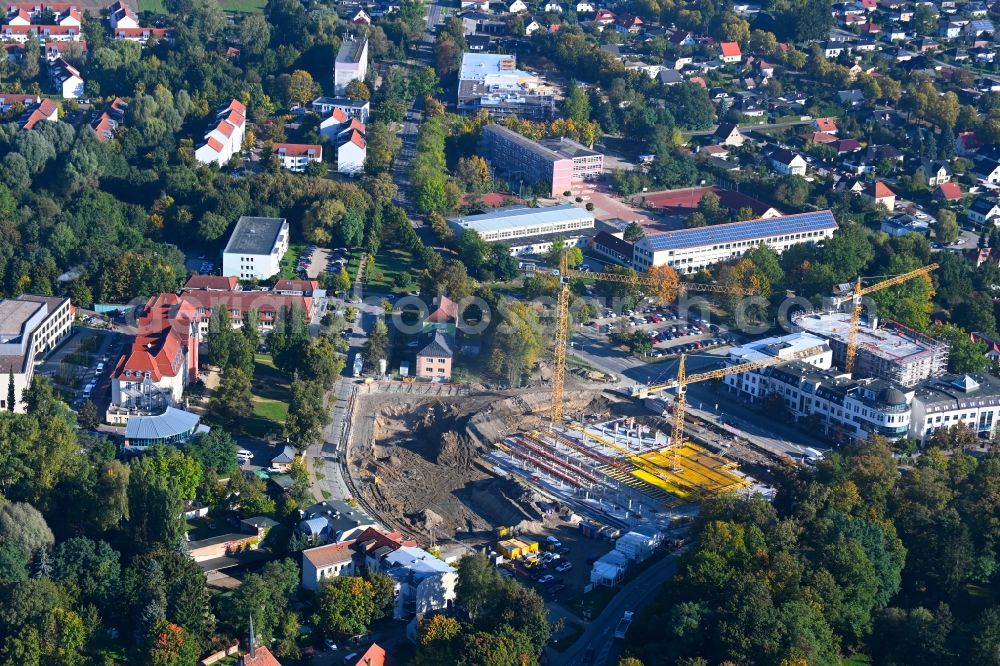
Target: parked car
{"x": 547, "y": 578}
{"x": 564, "y": 566}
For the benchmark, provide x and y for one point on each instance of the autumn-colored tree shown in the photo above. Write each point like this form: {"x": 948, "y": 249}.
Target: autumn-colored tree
{"x": 665, "y": 283}
{"x": 438, "y": 628}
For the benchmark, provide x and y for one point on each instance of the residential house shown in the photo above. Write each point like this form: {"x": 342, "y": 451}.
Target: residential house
{"x": 728, "y": 134}
{"x": 121, "y": 15}
{"x": 935, "y": 172}
{"x": 844, "y": 146}
{"x": 296, "y": 156}
{"x": 670, "y": 77}
{"x": 626, "y": 23}
{"x": 517, "y": 7}
{"x": 352, "y": 149}
{"x": 435, "y": 356}
{"x": 983, "y": 210}
{"x": 730, "y": 52}
{"x": 108, "y": 121}
{"x": 851, "y": 97}
{"x": 879, "y": 193}
{"x": 828, "y": 125}
{"x": 553, "y": 8}
{"x": 373, "y": 656}
{"x": 322, "y": 563}
{"x": 9, "y": 100}
{"x": 585, "y": 7}
{"x": 948, "y": 192}
{"x": 786, "y": 162}
{"x": 224, "y": 137}
{"x": 283, "y": 459}
{"x": 66, "y": 79}
{"x": 478, "y": 43}
{"x": 987, "y": 171}
{"x": 331, "y": 125}
{"x": 334, "y": 521}
{"x": 682, "y": 38}
{"x": 55, "y": 50}
{"x": 424, "y": 582}
{"x": 46, "y": 110}
{"x": 143, "y": 35}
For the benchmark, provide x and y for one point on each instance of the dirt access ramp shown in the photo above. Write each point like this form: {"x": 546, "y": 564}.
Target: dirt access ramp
{"x": 417, "y": 462}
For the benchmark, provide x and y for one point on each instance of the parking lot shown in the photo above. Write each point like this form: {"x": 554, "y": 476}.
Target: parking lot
{"x": 314, "y": 261}
{"x": 668, "y": 332}
{"x": 81, "y": 368}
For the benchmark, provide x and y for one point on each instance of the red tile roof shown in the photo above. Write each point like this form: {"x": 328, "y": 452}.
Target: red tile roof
{"x": 950, "y": 191}
{"x": 333, "y": 553}
{"x": 373, "y": 656}
{"x": 372, "y": 539}
{"x": 339, "y": 115}
{"x": 262, "y": 657}
{"x": 214, "y": 144}
{"x": 357, "y": 139}
{"x": 299, "y": 149}
{"x": 295, "y": 285}
{"x": 826, "y": 124}
{"x": 224, "y": 128}
{"x": 267, "y": 303}
{"x": 163, "y": 337}
{"x": 730, "y": 49}
{"x": 43, "y": 111}
{"x": 445, "y": 311}
{"x": 211, "y": 282}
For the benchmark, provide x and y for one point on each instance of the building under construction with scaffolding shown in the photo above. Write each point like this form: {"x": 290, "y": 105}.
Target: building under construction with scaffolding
{"x": 886, "y": 350}
{"x": 617, "y": 468}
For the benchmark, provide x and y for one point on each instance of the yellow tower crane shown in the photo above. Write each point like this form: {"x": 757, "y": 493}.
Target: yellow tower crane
{"x": 683, "y": 379}
{"x": 855, "y": 297}
{"x": 562, "y": 317}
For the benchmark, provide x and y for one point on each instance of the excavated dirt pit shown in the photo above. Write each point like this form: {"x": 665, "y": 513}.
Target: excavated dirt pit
{"x": 419, "y": 465}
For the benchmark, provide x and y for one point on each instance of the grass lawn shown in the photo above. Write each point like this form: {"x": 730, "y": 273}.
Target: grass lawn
{"x": 270, "y": 399}
{"x": 389, "y": 264}
{"x": 352, "y": 263}
{"x": 290, "y": 260}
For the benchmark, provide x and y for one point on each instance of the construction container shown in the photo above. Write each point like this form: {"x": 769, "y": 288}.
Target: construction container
{"x": 588, "y": 530}
{"x": 513, "y": 549}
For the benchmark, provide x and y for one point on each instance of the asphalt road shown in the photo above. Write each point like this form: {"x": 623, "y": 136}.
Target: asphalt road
{"x": 598, "y": 636}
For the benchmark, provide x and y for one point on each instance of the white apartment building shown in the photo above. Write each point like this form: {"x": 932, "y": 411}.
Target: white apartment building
{"x": 424, "y": 582}
{"x": 506, "y": 224}
{"x": 255, "y": 248}
{"x": 351, "y": 63}
{"x": 66, "y": 79}
{"x": 323, "y": 563}
{"x": 224, "y": 137}
{"x": 690, "y": 250}
{"x": 352, "y": 149}
{"x": 30, "y": 328}
{"x": 296, "y": 156}
{"x": 946, "y": 401}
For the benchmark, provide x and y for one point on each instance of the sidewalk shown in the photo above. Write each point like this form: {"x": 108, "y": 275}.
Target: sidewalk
{"x": 333, "y": 446}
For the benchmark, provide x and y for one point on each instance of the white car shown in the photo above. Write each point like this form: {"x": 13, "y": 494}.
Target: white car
{"x": 547, "y": 578}
{"x": 565, "y": 566}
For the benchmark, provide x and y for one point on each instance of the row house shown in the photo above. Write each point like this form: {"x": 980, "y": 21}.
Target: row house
{"x": 143, "y": 35}
{"x": 108, "y": 121}
{"x": 225, "y": 138}
{"x": 43, "y": 33}
{"x": 296, "y": 156}
{"x": 66, "y": 79}
{"x": 352, "y": 148}
{"x": 46, "y": 110}
{"x": 56, "y": 50}
{"x": 65, "y": 15}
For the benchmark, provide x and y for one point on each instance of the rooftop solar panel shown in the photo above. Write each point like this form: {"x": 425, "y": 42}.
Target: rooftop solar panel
{"x": 741, "y": 231}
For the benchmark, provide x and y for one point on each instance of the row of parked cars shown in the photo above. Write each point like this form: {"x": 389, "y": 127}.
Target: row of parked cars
{"x": 687, "y": 347}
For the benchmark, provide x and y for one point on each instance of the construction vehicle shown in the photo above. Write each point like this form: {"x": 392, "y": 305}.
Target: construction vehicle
{"x": 623, "y": 625}
{"x": 856, "y": 296}
{"x": 682, "y": 380}
{"x": 562, "y": 316}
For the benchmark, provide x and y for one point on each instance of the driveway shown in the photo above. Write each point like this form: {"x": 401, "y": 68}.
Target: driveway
{"x": 598, "y": 635}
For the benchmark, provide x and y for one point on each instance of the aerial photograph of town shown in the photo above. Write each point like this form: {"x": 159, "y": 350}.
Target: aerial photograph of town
{"x": 500, "y": 333}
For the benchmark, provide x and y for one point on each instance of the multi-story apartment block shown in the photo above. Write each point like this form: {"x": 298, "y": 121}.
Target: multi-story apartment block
{"x": 351, "y": 63}
{"x": 558, "y": 164}
{"x": 256, "y": 247}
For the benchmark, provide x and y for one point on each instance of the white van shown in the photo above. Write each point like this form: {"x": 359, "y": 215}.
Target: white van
{"x": 87, "y": 390}
{"x": 244, "y": 456}
{"x": 100, "y": 367}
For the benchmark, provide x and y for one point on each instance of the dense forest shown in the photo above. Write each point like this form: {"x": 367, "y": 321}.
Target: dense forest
{"x": 859, "y": 556}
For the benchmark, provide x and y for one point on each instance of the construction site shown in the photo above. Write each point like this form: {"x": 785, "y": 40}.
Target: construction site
{"x": 456, "y": 466}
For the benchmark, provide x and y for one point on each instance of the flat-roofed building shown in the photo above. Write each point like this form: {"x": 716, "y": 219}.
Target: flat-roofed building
{"x": 558, "y": 164}
{"x": 887, "y": 350}
{"x": 832, "y": 402}
{"x": 952, "y": 399}
{"x": 690, "y": 250}
{"x": 493, "y": 82}
{"x": 506, "y": 224}
{"x": 255, "y": 248}
{"x": 351, "y": 63}
{"x": 30, "y": 328}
